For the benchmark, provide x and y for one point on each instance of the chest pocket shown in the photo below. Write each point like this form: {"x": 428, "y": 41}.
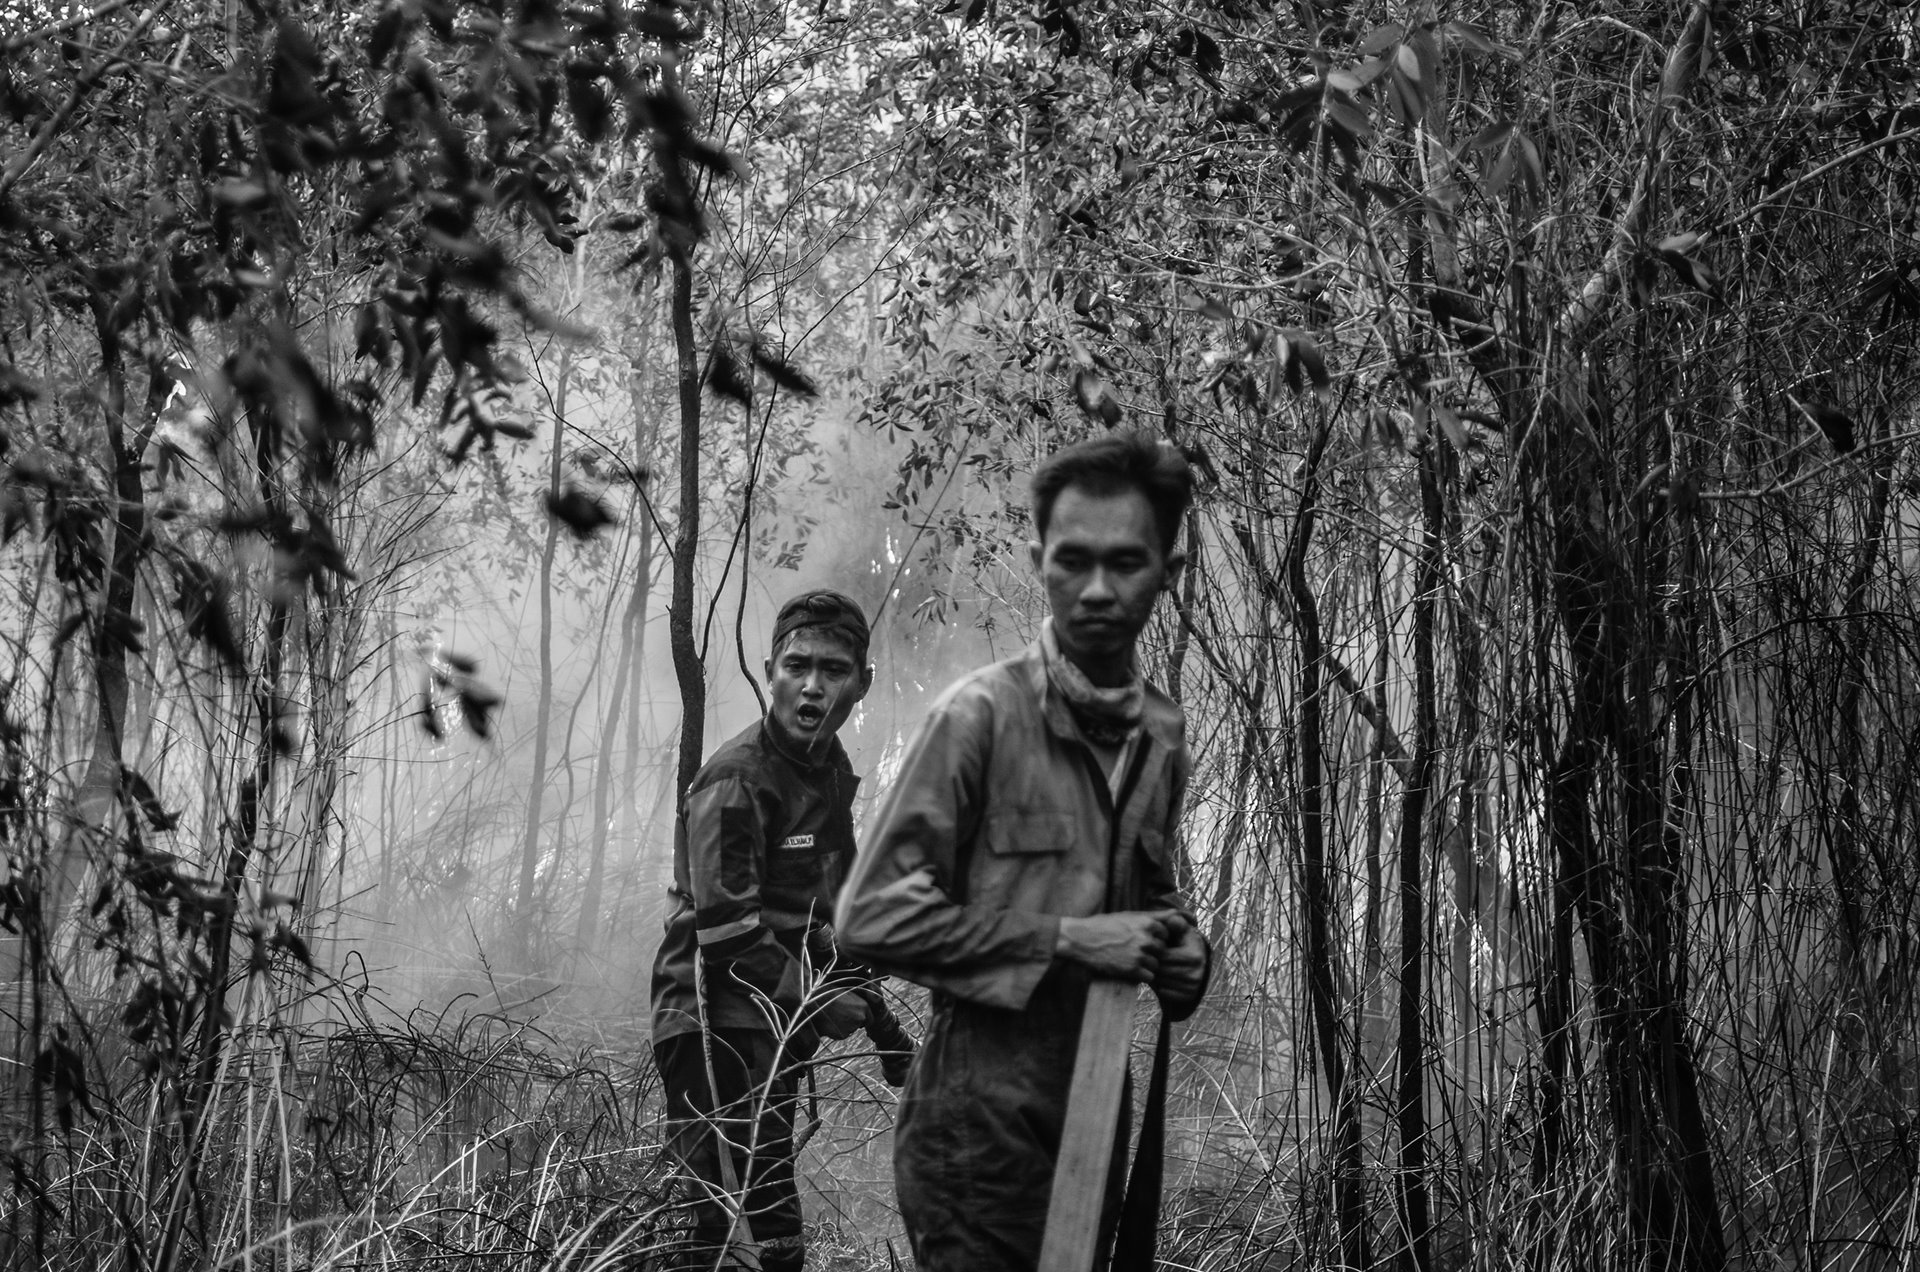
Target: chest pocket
{"x": 1020, "y": 832}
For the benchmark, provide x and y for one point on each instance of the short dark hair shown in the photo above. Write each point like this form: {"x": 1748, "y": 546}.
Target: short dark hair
{"x": 1111, "y": 462}
{"x": 825, "y": 611}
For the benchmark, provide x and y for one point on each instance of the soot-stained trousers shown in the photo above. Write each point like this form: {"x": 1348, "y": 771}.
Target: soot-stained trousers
{"x": 1000, "y": 822}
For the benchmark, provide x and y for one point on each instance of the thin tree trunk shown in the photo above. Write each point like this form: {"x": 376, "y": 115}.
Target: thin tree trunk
{"x": 1415, "y": 1217}
{"x": 95, "y": 822}
{"x": 1189, "y": 591}
{"x": 1233, "y": 836}
{"x": 602, "y": 788}
{"x": 333, "y": 633}
{"x": 646, "y": 436}
{"x": 1349, "y": 1202}
{"x": 1372, "y": 942}
{"x": 96, "y": 817}
{"x": 627, "y": 667}
{"x": 1569, "y": 780}
{"x": 630, "y": 668}
{"x": 1850, "y": 872}
{"x": 1659, "y": 1130}
{"x": 252, "y": 811}
{"x": 390, "y": 769}
{"x": 525, "y": 910}
{"x": 688, "y": 669}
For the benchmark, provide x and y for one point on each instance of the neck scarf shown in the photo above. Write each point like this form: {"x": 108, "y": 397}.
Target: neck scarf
{"x": 1107, "y": 717}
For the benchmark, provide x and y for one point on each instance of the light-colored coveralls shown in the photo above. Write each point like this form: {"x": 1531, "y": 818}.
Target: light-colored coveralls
{"x": 1001, "y": 821}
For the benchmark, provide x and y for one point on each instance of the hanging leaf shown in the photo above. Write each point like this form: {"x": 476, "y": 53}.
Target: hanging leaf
{"x": 1407, "y": 62}
{"x": 69, "y": 627}
{"x": 1380, "y": 39}
{"x": 1677, "y": 251}
{"x": 581, "y": 513}
{"x": 1530, "y": 164}
{"x": 370, "y": 338}
{"x": 725, "y": 375}
{"x": 296, "y": 947}
{"x": 1834, "y": 424}
{"x": 423, "y": 374}
{"x": 203, "y": 599}
{"x": 592, "y": 112}
{"x": 709, "y": 156}
{"x": 1307, "y": 356}
{"x": 141, "y": 792}
{"x": 476, "y": 706}
{"x": 782, "y": 372}
{"x": 1409, "y": 93}
{"x": 1207, "y": 56}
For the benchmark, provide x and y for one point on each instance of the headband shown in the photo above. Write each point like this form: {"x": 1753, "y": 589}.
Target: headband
{"x": 828, "y": 610}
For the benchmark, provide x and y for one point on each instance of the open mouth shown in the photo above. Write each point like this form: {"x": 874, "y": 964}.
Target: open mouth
{"x": 809, "y": 717}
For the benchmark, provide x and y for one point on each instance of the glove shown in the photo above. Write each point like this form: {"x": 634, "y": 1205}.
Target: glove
{"x": 896, "y": 1065}
{"x": 840, "y": 1015}
{"x": 895, "y": 1045}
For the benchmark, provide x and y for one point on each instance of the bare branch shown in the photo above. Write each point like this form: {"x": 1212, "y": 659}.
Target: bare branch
{"x": 1676, "y": 79}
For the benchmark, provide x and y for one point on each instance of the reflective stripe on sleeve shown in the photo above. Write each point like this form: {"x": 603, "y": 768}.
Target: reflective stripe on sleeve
{"x": 727, "y": 931}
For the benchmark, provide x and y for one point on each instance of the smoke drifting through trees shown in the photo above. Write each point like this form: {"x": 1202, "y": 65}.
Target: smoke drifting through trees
{"x": 1548, "y": 647}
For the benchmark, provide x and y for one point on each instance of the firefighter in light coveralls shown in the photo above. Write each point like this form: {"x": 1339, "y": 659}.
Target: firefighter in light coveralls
{"x": 764, "y": 839}
{"x": 985, "y": 873}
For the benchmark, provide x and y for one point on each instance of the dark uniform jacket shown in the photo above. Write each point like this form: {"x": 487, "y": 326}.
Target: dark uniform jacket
{"x": 761, "y": 846}
{"x": 1001, "y": 821}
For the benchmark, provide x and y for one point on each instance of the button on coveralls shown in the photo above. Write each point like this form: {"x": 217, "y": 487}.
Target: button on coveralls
{"x": 1000, "y": 822}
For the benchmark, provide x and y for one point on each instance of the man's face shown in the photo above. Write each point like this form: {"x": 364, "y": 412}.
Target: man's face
{"x": 1102, "y": 564}
{"x": 814, "y": 682}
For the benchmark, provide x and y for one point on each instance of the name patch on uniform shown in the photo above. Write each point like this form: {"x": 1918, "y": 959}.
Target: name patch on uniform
{"x": 797, "y": 842}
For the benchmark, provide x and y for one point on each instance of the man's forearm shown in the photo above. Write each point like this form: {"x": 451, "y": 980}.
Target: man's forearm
{"x": 912, "y": 924}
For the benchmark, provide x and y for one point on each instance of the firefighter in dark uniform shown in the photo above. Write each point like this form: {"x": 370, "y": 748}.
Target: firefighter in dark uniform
{"x": 747, "y": 983}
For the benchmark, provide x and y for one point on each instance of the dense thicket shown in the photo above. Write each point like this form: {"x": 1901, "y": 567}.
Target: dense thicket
{"x": 286, "y": 287}
{"x": 1549, "y": 643}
